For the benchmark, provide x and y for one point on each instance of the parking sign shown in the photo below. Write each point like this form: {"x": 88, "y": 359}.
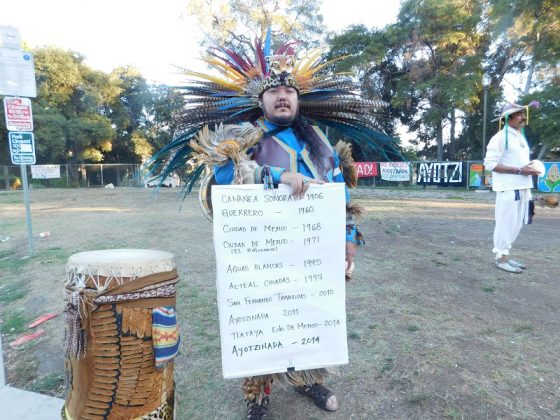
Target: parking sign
{"x": 18, "y": 114}
{"x": 22, "y": 148}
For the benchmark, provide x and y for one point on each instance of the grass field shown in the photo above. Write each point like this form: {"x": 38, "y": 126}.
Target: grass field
{"x": 434, "y": 329}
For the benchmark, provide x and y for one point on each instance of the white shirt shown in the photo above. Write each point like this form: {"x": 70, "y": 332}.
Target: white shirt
{"x": 516, "y": 155}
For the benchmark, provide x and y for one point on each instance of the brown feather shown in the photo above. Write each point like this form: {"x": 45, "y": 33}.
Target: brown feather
{"x": 356, "y": 210}
{"x": 548, "y": 201}
{"x": 349, "y": 170}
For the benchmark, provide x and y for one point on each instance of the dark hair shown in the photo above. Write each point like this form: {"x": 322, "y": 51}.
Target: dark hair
{"x": 301, "y": 129}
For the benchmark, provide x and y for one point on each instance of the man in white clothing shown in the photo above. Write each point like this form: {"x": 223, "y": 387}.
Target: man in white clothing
{"x": 507, "y": 156}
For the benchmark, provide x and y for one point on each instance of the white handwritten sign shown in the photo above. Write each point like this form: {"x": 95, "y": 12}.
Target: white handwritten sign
{"x": 395, "y": 171}
{"x": 280, "y": 278}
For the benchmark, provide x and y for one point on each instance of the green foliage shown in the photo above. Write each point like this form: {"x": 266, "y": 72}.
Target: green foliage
{"x": 543, "y": 131}
{"x": 527, "y": 37}
{"x": 438, "y": 41}
{"x": 69, "y": 121}
{"x": 51, "y": 134}
{"x": 58, "y": 75}
{"x": 236, "y": 23}
{"x": 86, "y": 116}
{"x": 429, "y": 66}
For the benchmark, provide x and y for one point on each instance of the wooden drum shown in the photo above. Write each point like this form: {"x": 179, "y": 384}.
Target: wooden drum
{"x": 121, "y": 335}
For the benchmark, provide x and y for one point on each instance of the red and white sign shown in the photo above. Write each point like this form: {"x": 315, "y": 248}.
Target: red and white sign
{"x": 18, "y": 114}
{"x": 366, "y": 169}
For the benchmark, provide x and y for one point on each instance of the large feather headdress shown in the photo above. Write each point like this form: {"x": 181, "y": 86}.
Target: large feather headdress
{"x": 231, "y": 96}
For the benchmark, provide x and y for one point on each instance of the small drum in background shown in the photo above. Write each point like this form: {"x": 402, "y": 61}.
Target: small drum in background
{"x": 121, "y": 335}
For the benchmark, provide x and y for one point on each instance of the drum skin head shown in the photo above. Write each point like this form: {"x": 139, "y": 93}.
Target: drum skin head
{"x": 121, "y": 262}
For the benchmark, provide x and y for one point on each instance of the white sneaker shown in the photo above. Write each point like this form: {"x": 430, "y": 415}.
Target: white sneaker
{"x": 517, "y": 264}
{"x": 506, "y": 266}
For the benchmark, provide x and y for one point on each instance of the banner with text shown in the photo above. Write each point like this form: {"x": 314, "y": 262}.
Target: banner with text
{"x": 366, "y": 169}
{"x": 550, "y": 181}
{"x": 45, "y": 171}
{"x": 280, "y": 278}
{"x": 395, "y": 171}
{"x": 450, "y": 174}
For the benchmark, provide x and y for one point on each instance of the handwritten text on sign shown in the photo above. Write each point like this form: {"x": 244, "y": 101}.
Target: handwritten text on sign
{"x": 366, "y": 169}
{"x": 280, "y": 278}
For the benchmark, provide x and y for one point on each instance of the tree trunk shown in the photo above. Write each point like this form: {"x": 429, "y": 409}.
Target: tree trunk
{"x": 504, "y": 67}
{"x": 6, "y": 178}
{"x": 529, "y": 75}
{"x": 452, "y": 145}
{"x": 542, "y": 152}
{"x": 439, "y": 139}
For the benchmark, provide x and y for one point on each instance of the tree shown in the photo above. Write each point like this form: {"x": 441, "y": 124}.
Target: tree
{"x": 438, "y": 43}
{"x": 369, "y": 56}
{"x": 526, "y": 38}
{"x": 543, "y": 130}
{"x": 128, "y": 111}
{"x": 427, "y": 65}
{"x": 58, "y": 75}
{"x": 72, "y": 98}
{"x": 51, "y": 134}
{"x": 165, "y": 104}
{"x": 85, "y": 115}
{"x": 236, "y": 23}
{"x": 90, "y": 136}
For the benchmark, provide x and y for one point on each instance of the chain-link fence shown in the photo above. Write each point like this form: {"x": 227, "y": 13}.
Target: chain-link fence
{"x": 458, "y": 174}
{"x": 73, "y": 176}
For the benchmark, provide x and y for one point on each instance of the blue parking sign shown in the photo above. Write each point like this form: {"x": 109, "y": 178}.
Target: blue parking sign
{"x": 22, "y": 148}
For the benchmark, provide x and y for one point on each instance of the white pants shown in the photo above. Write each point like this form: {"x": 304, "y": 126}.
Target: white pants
{"x": 510, "y": 215}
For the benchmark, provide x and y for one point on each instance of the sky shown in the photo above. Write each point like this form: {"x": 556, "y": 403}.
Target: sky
{"x": 153, "y": 36}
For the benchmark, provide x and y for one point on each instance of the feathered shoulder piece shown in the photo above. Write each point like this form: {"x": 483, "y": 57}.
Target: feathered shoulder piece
{"x": 225, "y": 142}
{"x": 344, "y": 151}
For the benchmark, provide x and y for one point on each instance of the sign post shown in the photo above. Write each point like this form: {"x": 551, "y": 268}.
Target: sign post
{"x": 17, "y": 78}
{"x": 23, "y": 170}
{"x": 22, "y": 152}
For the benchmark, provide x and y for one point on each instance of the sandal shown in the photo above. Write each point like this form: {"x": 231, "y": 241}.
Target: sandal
{"x": 517, "y": 264}
{"x": 506, "y": 266}
{"x": 319, "y": 394}
{"x": 256, "y": 411}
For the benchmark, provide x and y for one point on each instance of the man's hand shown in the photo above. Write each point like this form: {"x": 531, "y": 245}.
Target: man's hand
{"x": 298, "y": 182}
{"x": 529, "y": 170}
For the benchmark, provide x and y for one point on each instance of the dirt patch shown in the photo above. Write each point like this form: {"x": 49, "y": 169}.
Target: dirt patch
{"x": 435, "y": 330}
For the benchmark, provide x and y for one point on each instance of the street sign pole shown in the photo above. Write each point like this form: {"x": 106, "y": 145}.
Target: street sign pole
{"x": 23, "y": 171}
{"x": 17, "y": 85}
{"x": 22, "y": 152}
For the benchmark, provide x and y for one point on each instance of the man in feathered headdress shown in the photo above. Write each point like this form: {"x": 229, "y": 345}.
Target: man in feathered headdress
{"x": 508, "y": 157}
{"x": 278, "y": 96}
